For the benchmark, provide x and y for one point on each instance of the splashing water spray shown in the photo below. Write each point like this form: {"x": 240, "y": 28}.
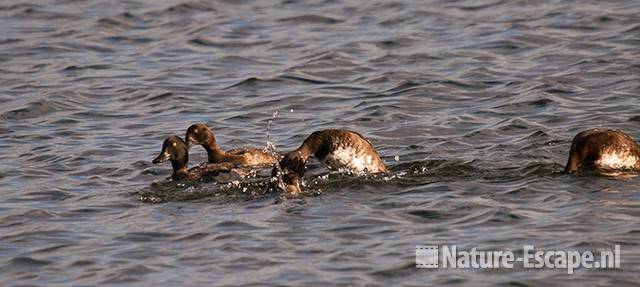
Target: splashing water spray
{"x": 271, "y": 147}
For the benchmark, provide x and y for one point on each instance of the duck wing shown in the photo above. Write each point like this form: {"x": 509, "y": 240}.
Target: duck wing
{"x": 219, "y": 172}
{"x": 252, "y": 156}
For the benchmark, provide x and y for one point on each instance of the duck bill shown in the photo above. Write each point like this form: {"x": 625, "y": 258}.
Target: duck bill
{"x": 288, "y": 188}
{"x": 191, "y": 140}
{"x": 162, "y": 157}
{"x": 293, "y": 189}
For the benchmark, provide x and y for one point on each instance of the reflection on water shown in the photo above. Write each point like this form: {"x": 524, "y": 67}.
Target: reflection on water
{"x": 472, "y": 104}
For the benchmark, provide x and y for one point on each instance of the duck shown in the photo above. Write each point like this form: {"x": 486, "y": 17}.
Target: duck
{"x": 174, "y": 149}
{"x": 337, "y": 149}
{"x": 605, "y": 150}
{"x": 201, "y": 134}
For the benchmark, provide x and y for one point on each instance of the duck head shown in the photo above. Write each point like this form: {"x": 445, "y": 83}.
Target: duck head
{"x": 287, "y": 174}
{"x": 174, "y": 149}
{"x": 199, "y": 134}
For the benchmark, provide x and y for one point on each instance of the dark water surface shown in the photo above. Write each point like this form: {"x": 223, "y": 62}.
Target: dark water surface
{"x": 471, "y": 103}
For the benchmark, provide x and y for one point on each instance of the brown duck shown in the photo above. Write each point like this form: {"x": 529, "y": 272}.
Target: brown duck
{"x": 604, "y": 149}
{"x": 341, "y": 150}
{"x": 174, "y": 149}
{"x": 201, "y": 134}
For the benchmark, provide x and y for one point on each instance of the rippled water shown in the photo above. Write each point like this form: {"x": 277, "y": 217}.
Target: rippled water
{"x": 478, "y": 101}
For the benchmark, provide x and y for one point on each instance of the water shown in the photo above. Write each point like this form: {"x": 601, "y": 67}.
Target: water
{"x": 477, "y": 99}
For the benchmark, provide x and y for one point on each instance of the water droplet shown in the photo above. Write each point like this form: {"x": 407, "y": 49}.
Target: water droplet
{"x": 397, "y": 158}
{"x": 270, "y": 145}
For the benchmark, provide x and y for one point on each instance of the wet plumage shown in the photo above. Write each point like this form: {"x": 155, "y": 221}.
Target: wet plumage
{"x": 604, "y": 149}
{"x": 174, "y": 149}
{"x": 341, "y": 150}
{"x": 200, "y": 134}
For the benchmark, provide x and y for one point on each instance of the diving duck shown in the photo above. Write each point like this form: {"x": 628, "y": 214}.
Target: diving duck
{"x": 342, "y": 150}
{"x": 603, "y": 149}
{"x": 200, "y": 134}
{"x": 175, "y": 150}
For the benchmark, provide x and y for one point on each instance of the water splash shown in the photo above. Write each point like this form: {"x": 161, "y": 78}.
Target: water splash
{"x": 275, "y": 181}
{"x": 271, "y": 147}
{"x": 393, "y": 176}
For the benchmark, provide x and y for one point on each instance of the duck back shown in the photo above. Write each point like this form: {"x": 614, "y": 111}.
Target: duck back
{"x": 348, "y": 151}
{"x": 605, "y": 149}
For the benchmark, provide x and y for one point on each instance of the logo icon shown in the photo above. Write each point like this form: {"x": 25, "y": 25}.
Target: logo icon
{"x": 426, "y": 256}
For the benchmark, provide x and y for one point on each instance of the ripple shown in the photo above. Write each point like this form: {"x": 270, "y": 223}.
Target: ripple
{"x": 192, "y": 7}
{"x": 225, "y": 44}
{"x": 144, "y": 236}
{"x": 472, "y": 106}
{"x": 89, "y": 67}
{"x": 32, "y": 110}
{"x": 311, "y": 19}
{"x": 28, "y": 262}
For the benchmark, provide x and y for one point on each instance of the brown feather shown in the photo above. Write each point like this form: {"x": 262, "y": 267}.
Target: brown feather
{"x": 605, "y": 149}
